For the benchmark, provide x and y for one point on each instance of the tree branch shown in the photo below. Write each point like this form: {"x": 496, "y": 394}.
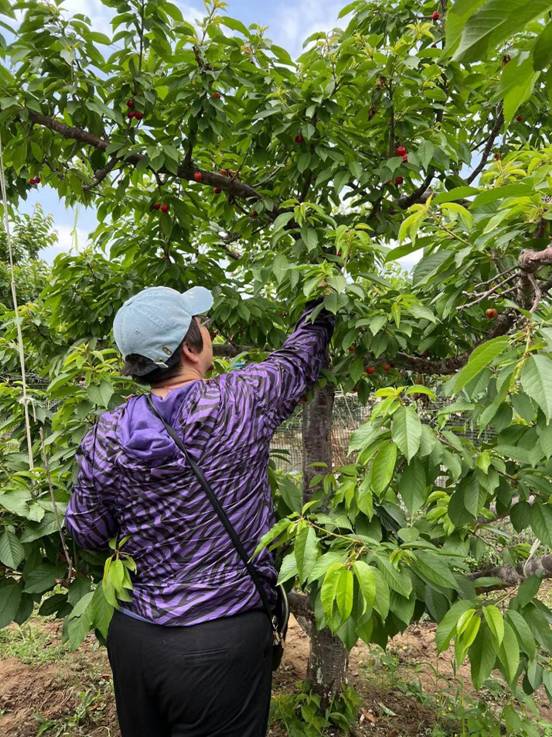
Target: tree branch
{"x": 489, "y": 145}
{"x": 411, "y": 199}
{"x": 515, "y": 575}
{"x": 71, "y": 132}
{"x": 299, "y": 605}
{"x": 449, "y": 365}
{"x": 185, "y": 171}
{"x": 100, "y": 174}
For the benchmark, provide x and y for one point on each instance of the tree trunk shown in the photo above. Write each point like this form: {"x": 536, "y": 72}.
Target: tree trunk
{"x": 328, "y": 659}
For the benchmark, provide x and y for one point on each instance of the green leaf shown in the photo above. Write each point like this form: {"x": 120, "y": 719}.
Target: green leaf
{"x": 100, "y": 611}
{"x": 498, "y": 193}
{"x": 482, "y": 657}
{"x": 366, "y": 578}
{"x": 324, "y": 563}
{"x": 542, "y": 51}
{"x": 288, "y": 569}
{"x": 344, "y": 593}
{"x": 306, "y": 551}
{"x": 457, "y": 193}
{"x": 523, "y": 632}
{"x": 413, "y": 486}
{"x": 536, "y": 380}
{"x": 383, "y": 467}
{"x": 493, "y": 23}
{"x": 447, "y": 626}
{"x": 382, "y": 602}
{"x": 406, "y": 431}
{"x": 527, "y": 591}
{"x": 495, "y": 622}
{"x": 11, "y": 550}
{"x": 481, "y": 357}
{"x": 275, "y": 532}
{"x": 328, "y": 592}
{"x": 541, "y": 522}
{"x": 363, "y": 437}
{"x": 100, "y": 395}
{"x": 10, "y": 598}
{"x": 509, "y": 653}
{"x": 516, "y": 85}
{"x": 433, "y": 570}
{"x": 457, "y": 17}
{"x": 42, "y": 578}
{"x": 425, "y": 268}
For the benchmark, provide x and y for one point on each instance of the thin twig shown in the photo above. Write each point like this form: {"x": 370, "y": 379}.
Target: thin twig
{"x": 54, "y": 506}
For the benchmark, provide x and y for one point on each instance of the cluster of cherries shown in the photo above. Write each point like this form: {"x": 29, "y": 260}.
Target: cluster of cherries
{"x": 136, "y": 114}
{"x": 33, "y": 180}
{"x": 161, "y": 206}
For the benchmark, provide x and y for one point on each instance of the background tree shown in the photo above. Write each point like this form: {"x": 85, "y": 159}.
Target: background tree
{"x": 214, "y": 157}
{"x": 31, "y": 233}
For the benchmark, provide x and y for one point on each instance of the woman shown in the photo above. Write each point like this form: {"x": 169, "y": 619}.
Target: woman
{"x": 191, "y": 654}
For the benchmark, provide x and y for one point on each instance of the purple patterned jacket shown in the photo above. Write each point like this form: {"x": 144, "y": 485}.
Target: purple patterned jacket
{"x": 133, "y": 480}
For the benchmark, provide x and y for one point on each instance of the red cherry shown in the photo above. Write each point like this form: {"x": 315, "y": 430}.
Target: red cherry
{"x": 435, "y": 15}
{"x": 387, "y": 367}
{"x": 370, "y": 370}
{"x": 400, "y": 151}
{"x": 31, "y": 181}
{"x": 131, "y": 114}
{"x": 37, "y": 180}
{"x": 519, "y": 118}
{"x": 216, "y": 95}
{"x": 217, "y": 190}
{"x": 130, "y": 103}
{"x": 491, "y": 313}
{"x": 198, "y": 176}
{"x": 299, "y": 139}
{"x": 138, "y": 115}
{"x": 399, "y": 180}
{"x": 405, "y": 158}
{"x": 156, "y": 205}
{"x": 164, "y": 208}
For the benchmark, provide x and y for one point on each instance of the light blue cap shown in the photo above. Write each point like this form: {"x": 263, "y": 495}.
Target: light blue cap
{"x": 154, "y": 322}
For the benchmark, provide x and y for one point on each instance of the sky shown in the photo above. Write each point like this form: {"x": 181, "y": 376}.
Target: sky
{"x": 289, "y": 23}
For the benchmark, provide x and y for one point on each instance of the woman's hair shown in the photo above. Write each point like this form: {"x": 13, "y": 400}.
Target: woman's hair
{"x": 145, "y": 371}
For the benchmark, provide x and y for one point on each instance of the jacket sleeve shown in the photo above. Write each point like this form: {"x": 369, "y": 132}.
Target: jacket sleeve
{"x": 89, "y": 518}
{"x": 282, "y": 379}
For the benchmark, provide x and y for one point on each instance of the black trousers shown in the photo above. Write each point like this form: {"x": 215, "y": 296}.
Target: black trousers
{"x": 208, "y": 680}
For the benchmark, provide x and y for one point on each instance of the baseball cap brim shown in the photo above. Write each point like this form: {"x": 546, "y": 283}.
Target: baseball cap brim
{"x": 198, "y": 300}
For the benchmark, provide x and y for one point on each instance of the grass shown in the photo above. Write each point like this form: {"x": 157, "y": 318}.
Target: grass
{"x": 454, "y": 708}
{"x": 31, "y": 643}
{"x": 90, "y": 703}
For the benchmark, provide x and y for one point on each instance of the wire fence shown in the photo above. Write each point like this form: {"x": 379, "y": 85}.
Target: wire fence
{"x": 348, "y": 414}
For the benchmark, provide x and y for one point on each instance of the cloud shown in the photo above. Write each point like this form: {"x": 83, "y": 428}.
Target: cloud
{"x": 191, "y": 14}
{"x": 65, "y": 242}
{"x": 292, "y": 24}
{"x": 98, "y": 13}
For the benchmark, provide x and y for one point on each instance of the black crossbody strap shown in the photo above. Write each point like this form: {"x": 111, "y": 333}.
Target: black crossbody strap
{"x": 232, "y": 534}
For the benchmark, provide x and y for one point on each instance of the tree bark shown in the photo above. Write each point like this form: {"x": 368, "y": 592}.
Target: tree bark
{"x": 317, "y": 437}
{"x": 328, "y": 660}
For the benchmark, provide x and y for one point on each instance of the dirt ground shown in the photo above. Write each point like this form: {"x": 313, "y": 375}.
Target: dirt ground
{"x": 45, "y": 690}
